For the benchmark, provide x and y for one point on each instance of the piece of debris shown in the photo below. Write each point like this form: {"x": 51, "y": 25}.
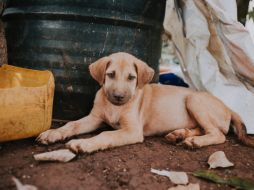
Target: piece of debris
{"x": 70, "y": 89}
{"x": 219, "y": 159}
{"x": 179, "y": 178}
{"x": 236, "y": 182}
{"x": 190, "y": 186}
{"x": 62, "y": 155}
{"x": 20, "y": 186}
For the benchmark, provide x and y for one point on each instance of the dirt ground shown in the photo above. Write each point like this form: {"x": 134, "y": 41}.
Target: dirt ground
{"x": 126, "y": 167}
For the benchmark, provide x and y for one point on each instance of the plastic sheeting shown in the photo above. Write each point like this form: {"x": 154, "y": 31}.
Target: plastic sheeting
{"x": 216, "y": 51}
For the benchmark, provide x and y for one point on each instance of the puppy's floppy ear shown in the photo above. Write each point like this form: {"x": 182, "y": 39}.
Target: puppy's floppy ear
{"x": 98, "y": 69}
{"x": 145, "y": 73}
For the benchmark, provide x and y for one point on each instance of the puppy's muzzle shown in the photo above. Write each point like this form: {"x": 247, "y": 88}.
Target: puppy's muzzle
{"x": 118, "y": 97}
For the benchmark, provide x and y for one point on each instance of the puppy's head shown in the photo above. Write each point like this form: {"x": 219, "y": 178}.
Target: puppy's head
{"x": 121, "y": 74}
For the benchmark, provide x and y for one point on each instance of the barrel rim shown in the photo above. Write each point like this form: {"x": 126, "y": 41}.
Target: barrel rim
{"x": 93, "y": 15}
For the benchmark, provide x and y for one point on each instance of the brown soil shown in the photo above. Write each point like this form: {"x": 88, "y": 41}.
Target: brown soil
{"x": 126, "y": 167}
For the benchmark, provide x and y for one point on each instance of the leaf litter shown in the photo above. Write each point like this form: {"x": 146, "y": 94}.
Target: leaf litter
{"x": 179, "y": 178}
{"x": 62, "y": 155}
{"x": 231, "y": 181}
{"x": 219, "y": 159}
{"x": 21, "y": 186}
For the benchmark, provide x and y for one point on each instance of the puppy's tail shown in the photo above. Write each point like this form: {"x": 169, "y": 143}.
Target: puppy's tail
{"x": 240, "y": 130}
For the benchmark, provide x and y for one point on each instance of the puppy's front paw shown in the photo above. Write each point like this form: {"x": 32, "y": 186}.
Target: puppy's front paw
{"x": 49, "y": 136}
{"x": 81, "y": 146}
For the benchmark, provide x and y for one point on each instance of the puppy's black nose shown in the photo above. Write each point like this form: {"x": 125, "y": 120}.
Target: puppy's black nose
{"x": 118, "y": 97}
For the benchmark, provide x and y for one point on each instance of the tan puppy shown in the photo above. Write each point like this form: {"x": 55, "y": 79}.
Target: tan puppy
{"x": 136, "y": 109}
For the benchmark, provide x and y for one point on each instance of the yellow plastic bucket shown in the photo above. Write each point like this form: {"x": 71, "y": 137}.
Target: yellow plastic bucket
{"x": 26, "y": 102}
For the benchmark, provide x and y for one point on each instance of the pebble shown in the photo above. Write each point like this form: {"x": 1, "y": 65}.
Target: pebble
{"x": 81, "y": 178}
{"x": 105, "y": 170}
{"x": 26, "y": 176}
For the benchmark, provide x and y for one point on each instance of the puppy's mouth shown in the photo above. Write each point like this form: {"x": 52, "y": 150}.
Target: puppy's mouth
{"x": 117, "y": 102}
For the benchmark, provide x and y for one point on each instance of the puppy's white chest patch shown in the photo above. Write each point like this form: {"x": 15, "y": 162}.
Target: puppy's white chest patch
{"x": 113, "y": 123}
{"x": 112, "y": 118}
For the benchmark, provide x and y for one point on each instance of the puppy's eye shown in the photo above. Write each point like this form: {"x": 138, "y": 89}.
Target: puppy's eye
{"x": 111, "y": 75}
{"x": 131, "y": 77}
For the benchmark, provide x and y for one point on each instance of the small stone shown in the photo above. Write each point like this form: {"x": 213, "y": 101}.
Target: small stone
{"x": 70, "y": 89}
{"x": 105, "y": 170}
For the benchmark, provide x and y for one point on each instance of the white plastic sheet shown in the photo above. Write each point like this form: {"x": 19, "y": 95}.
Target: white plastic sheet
{"x": 216, "y": 52}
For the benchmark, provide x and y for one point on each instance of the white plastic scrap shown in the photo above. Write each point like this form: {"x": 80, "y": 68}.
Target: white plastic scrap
{"x": 20, "y": 186}
{"x": 62, "y": 155}
{"x": 215, "y": 52}
{"x": 190, "y": 186}
{"x": 179, "y": 178}
{"x": 219, "y": 159}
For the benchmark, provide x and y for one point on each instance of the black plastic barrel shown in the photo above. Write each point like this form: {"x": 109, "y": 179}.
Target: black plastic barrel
{"x": 65, "y": 36}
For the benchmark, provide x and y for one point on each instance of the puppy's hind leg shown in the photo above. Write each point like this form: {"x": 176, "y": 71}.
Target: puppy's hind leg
{"x": 181, "y": 134}
{"x": 209, "y": 139}
{"x": 212, "y": 116}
